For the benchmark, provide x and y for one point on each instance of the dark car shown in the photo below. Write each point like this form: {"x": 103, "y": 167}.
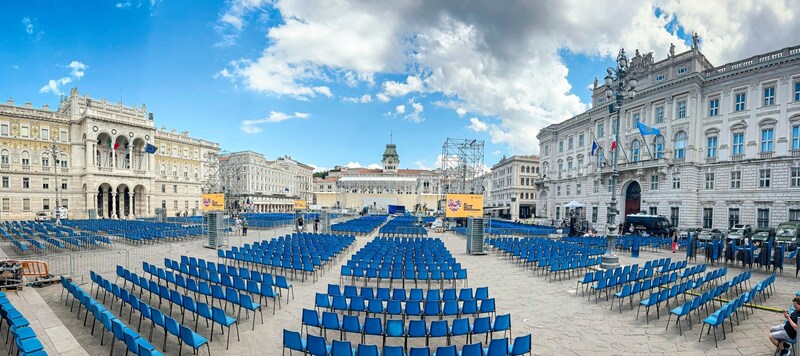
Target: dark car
{"x": 763, "y": 234}
{"x": 789, "y": 233}
{"x": 655, "y": 225}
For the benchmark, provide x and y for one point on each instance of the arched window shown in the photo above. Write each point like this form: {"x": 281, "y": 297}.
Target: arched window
{"x": 26, "y": 158}
{"x": 600, "y": 157}
{"x": 635, "y": 150}
{"x": 64, "y": 161}
{"x": 196, "y": 174}
{"x": 163, "y": 170}
{"x": 4, "y": 157}
{"x": 658, "y": 146}
{"x": 175, "y": 171}
{"x": 680, "y": 145}
{"x": 545, "y": 167}
{"x": 45, "y": 160}
{"x": 185, "y": 172}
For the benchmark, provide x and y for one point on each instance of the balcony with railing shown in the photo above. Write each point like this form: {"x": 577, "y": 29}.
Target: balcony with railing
{"x": 766, "y": 154}
{"x": 794, "y": 153}
{"x": 738, "y": 157}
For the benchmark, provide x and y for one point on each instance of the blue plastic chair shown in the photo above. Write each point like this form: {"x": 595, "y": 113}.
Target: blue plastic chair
{"x": 497, "y": 347}
{"x": 351, "y": 324}
{"x": 420, "y": 351}
{"x": 446, "y": 351}
{"x": 219, "y": 317}
{"x": 472, "y": 349}
{"x": 317, "y": 346}
{"x": 247, "y": 303}
{"x": 394, "y": 328}
{"x": 311, "y": 318}
{"x": 293, "y": 342}
{"x": 367, "y": 350}
{"x": 501, "y": 323}
{"x": 393, "y": 351}
{"x": 481, "y": 325}
{"x": 372, "y": 326}
{"x": 680, "y": 311}
{"x": 330, "y": 321}
{"x": 521, "y": 346}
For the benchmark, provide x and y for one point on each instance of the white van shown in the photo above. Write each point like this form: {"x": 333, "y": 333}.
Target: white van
{"x": 42, "y": 216}
{"x": 61, "y": 213}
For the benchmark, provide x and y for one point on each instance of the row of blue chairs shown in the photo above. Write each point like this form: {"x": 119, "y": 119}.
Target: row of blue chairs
{"x": 25, "y": 339}
{"x": 427, "y": 309}
{"x": 414, "y": 295}
{"x": 692, "y": 271}
{"x": 614, "y": 283}
{"x": 630, "y": 273}
{"x": 403, "y": 226}
{"x": 243, "y": 279}
{"x": 362, "y": 225}
{"x": 441, "y": 277}
{"x": 704, "y": 301}
{"x": 318, "y": 346}
{"x": 131, "y": 339}
{"x": 136, "y": 230}
{"x": 269, "y": 220}
{"x": 627, "y": 242}
{"x": 673, "y": 266}
{"x": 666, "y": 294}
{"x": 725, "y": 312}
{"x": 146, "y": 311}
{"x": 640, "y": 287}
{"x": 391, "y": 328}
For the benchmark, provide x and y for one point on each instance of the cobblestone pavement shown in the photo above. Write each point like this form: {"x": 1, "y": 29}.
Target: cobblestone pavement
{"x": 561, "y": 321}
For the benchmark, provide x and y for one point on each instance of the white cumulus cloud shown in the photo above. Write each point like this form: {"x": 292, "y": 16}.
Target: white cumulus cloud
{"x": 77, "y": 71}
{"x": 477, "y": 125}
{"x": 250, "y": 126}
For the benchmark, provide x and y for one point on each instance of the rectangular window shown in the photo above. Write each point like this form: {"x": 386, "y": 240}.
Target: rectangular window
{"x": 568, "y": 188}
{"x": 733, "y": 217}
{"x": 175, "y": 188}
{"x": 711, "y": 151}
{"x": 659, "y": 114}
{"x": 570, "y": 143}
{"x": 186, "y": 205}
{"x": 578, "y": 189}
{"x": 569, "y": 167}
{"x": 45, "y": 133}
{"x": 797, "y": 91}
{"x": 3, "y": 129}
{"x": 561, "y": 146}
{"x": 653, "y": 210}
{"x": 636, "y": 118}
{"x": 64, "y": 184}
{"x": 163, "y": 204}
{"x": 65, "y": 203}
{"x": 708, "y": 218}
{"x": 26, "y": 204}
{"x": 709, "y": 181}
{"x": 581, "y": 140}
{"x": 594, "y": 214}
{"x": 580, "y": 165}
{"x": 5, "y": 182}
{"x": 794, "y": 179}
{"x": 26, "y": 183}
{"x": 45, "y": 204}
{"x": 674, "y": 215}
{"x": 6, "y": 204}
{"x": 767, "y": 136}
{"x": 794, "y": 214}
{"x": 175, "y": 204}
{"x": 682, "y": 109}
{"x": 24, "y": 131}
{"x": 769, "y": 96}
{"x": 763, "y": 217}
{"x": 738, "y": 144}
{"x": 763, "y": 177}
{"x": 601, "y": 130}
{"x": 741, "y": 102}
{"x": 596, "y": 186}
{"x": 558, "y": 191}
{"x": 713, "y": 107}
{"x": 676, "y": 181}
{"x": 736, "y": 179}
{"x": 163, "y": 188}
{"x": 558, "y": 212}
{"x": 796, "y": 137}
{"x": 64, "y": 136}
{"x": 560, "y": 169}
{"x": 546, "y": 150}
{"x": 45, "y": 183}
{"x": 654, "y": 182}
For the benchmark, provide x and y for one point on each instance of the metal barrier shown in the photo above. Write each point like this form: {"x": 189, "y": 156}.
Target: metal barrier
{"x": 32, "y": 268}
{"x": 78, "y": 265}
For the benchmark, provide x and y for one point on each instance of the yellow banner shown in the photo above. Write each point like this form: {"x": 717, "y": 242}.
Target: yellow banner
{"x": 213, "y": 202}
{"x": 464, "y": 206}
{"x": 300, "y": 205}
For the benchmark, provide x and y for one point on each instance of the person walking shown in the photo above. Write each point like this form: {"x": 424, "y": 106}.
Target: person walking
{"x": 674, "y": 241}
{"x": 244, "y": 227}
{"x": 300, "y": 224}
{"x": 238, "y": 226}
{"x": 316, "y": 224}
{"x": 781, "y": 334}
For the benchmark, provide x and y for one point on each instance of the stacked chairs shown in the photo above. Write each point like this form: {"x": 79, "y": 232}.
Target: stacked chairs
{"x": 304, "y": 253}
{"x": 186, "y": 303}
{"x": 156, "y": 317}
{"x": 318, "y": 345}
{"x": 718, "y": 317}
{"x": 404, "y": 260}
{"x": 197, "y": 276}
{"x": 118, "y": 330}
{"x": 406, "y": 329}
{"x": 361, "y": 226}
{"x": 25, "y": 340}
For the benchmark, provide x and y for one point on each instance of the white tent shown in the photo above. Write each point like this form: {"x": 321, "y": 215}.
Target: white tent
{"x": 573, "y": 204}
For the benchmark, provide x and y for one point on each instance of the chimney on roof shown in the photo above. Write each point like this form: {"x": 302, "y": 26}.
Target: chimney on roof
{"x": 28, "y": 104}
{"x": 10, "y": 101}
{"x": 46, "y": 107}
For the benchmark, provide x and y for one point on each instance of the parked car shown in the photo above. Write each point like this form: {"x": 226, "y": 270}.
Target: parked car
{"x": 684, "y": 233}
{"x": 42, "y": 216}
{"x": 655, "y": 225}
{"x": 61, "y": 214}
{"x": 740, "y": 232}
{"x": 788, "y": 233}
{"x": 710, "y": 234}
{"x": 763, "y": 234}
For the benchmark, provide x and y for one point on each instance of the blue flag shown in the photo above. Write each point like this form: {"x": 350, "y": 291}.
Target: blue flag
{"x": 647, "y": 130}
{"x": 594, "y": 147}
{"x": 150, "y": 148}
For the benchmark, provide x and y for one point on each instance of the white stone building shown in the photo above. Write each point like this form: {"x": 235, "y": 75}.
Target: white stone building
{"x": 728, "y": 152}
{"x": 513, "y": 188}
{"x": 256, "y": 184}
{"x": 101, "y": 164}
{"x": 355, "y": 188}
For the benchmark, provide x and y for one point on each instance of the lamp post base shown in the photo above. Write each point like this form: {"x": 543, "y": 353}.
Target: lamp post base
{"x": 610, "y": 260}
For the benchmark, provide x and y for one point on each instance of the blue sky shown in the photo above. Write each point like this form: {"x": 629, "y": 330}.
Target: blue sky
{"x": 326, "y": 83}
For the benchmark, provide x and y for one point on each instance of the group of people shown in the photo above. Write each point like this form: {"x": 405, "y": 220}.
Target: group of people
{"x": 241, "y": 226}
{"x": 301, "y": 223}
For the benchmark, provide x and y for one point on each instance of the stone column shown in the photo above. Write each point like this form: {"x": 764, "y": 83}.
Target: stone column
{"x": 134, "y": 206}
{"x": 114, "y": 205}
{"x": 103, "y": 203}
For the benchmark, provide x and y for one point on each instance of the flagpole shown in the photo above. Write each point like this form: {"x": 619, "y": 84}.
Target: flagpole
{"x": 594, "y": 140}
{"x": 644, "y": 139}
{"x": 619, "y": 143}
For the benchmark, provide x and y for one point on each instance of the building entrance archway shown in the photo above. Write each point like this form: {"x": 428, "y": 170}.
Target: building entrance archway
{"x": 633, "y": 198}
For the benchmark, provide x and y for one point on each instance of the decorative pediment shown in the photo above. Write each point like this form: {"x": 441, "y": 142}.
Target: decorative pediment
{"x": 712, "y": 131}
{"x": 739, "y": 126}
{"x": 767, "y": 122}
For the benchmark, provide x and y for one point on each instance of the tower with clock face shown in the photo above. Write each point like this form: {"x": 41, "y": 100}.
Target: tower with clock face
{"x": 390, "y": 159}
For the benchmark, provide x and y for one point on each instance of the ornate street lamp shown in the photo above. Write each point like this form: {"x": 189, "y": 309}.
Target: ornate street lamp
{"x": 617, "y": 81}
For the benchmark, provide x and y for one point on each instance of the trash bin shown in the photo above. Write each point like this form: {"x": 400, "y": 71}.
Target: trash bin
{"x": 635, "y": 248}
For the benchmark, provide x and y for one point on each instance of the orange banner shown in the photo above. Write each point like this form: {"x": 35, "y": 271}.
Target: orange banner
{"x": 463, "y": 206}
{"x": 213, "y": 202}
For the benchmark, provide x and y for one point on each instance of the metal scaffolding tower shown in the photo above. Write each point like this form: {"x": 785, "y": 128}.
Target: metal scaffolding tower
{"x": 211, "y": 174}
{"x": 462, "y": 165}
